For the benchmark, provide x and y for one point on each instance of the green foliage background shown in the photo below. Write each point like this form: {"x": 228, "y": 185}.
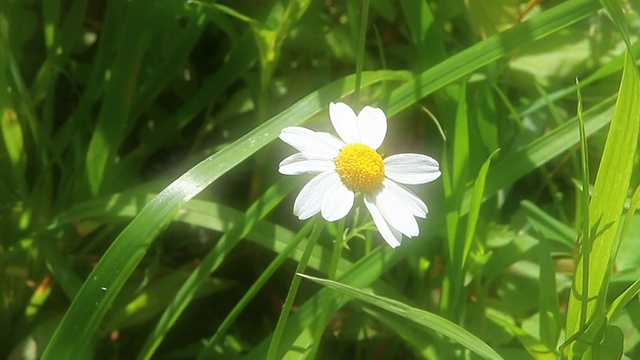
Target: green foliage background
{"x": 142, "y": 215}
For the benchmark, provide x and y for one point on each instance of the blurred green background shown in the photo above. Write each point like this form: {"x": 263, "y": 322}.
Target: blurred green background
{"x": 142, "y": 214}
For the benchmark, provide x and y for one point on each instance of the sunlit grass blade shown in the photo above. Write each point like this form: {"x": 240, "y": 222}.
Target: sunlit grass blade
{"x": 607, "y": 202}
{"x": 130, "y": 246}
{"x": 429, "y": 320}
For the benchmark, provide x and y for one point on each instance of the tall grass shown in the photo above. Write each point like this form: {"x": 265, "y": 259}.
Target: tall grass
{"x": 142, "y": 215}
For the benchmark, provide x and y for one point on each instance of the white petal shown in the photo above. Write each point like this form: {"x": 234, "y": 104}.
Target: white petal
{"x": 414, "y": 204}
{"x": 392, "y": 236}
{"x": 317, "y": 145}
{"x": 396, "y": 212}
{"x": 309, "y": 200}
{"x": 297, "y": 164}
{"x": 337, "y": 201}
{"x": 411, "y": 168}
{"x": 345, "y": 122}
{"x": 372, "y": 126}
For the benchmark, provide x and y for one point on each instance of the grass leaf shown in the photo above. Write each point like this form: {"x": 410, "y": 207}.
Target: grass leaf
{"x": 607, "y": 202}
{"x": 436, "y": 323}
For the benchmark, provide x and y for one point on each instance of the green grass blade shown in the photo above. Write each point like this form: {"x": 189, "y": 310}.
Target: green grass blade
{"x": 586, "y": 223}
{"x": 474, "y": 208}
{"x": 106, "y": 280}
{"x": 61, "y": 39}
{"x": 458, "y": 171}
{"x": 607, "y": 202}
{"x": 116, "y": 107}
{"x": 362, "y": 35}
{"x": 420, "y": 317}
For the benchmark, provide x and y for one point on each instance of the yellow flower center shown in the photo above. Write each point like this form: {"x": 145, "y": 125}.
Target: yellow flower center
{"x": 360, "y": 167}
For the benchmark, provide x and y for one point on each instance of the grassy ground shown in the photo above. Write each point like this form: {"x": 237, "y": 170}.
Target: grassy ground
{"x": 142, "y": 214}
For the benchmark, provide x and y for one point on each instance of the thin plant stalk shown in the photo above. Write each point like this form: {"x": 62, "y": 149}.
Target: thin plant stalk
{"x": 338, "y": 244}
{"x": 293, "y": 289}
{"x": 586, "y": 238}
{"x": 208, "y": 353}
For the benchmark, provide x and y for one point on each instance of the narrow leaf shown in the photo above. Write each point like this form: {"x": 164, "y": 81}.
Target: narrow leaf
{"x": 420, "y": 317}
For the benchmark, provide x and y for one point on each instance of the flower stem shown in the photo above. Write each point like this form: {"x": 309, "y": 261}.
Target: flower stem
{"x": 293, "y": 289}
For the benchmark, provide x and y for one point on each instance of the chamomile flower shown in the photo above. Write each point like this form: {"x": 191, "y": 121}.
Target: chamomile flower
{"x": 351, "y": 163}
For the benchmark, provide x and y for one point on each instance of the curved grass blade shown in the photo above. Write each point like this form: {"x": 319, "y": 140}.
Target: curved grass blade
{"x": 420, "y": 317}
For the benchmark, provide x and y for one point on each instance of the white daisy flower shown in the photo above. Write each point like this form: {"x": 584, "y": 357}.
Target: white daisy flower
{"x": 351, "y": 163}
